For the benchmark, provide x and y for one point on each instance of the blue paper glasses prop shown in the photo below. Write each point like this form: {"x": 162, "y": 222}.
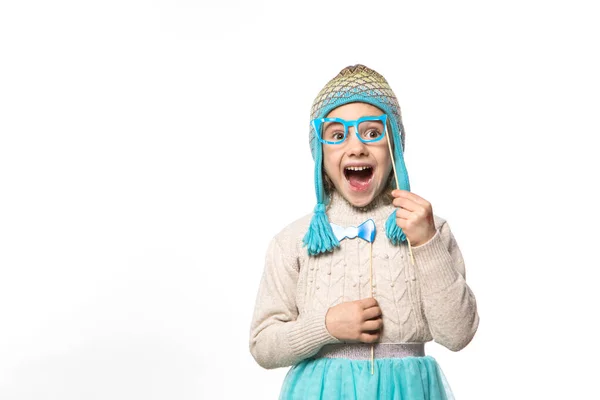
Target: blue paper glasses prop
{"x": 335, "y": 130}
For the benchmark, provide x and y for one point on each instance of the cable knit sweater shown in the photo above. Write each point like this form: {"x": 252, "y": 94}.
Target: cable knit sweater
{"x": 431, "y": 301}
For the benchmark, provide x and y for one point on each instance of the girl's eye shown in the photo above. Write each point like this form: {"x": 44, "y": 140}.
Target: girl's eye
{"x": 338, "y": 135}
{"x": 372, "y": 134}
{"x": 335, "y": 136}
{"x": 333, "y": 132}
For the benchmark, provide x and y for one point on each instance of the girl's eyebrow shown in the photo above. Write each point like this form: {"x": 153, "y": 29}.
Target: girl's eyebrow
{"x": 334, "y": 125}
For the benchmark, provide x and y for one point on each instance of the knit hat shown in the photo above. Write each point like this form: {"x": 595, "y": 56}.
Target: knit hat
{"x": 353, "y": 84}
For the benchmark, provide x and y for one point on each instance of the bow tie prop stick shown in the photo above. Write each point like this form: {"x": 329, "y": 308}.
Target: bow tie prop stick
{"x": 412, "y": 259}
{"x": 365, "y": 231}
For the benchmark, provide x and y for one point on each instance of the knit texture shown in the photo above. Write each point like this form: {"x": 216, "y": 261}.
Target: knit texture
{"x": 356, "y": 83}
{"x": 431, "y": 301}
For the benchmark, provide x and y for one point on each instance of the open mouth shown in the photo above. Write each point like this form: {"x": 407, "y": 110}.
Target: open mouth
{"x": 359, "y": 177}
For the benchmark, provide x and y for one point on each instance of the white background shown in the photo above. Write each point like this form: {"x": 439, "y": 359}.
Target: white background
{"x": 149, "y": 150}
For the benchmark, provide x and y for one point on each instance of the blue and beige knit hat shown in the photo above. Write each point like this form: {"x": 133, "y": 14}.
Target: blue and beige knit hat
{"x": 353, "y": 84}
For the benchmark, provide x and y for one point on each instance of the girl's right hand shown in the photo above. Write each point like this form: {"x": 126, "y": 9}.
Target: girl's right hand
{"x": 358, "y": 320}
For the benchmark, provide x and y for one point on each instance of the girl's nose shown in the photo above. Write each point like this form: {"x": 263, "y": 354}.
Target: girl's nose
{"x": 354, "y": 146}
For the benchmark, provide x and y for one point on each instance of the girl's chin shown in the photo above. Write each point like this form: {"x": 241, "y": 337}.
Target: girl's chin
{"x": 360, "y": 203}
{"x": 359, "y": 197}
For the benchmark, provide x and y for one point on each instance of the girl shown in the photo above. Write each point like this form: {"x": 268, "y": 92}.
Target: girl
{"x": 350, "y": 294}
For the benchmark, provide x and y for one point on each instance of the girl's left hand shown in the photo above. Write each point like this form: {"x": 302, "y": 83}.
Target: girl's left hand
{"x": 414, "y": 215}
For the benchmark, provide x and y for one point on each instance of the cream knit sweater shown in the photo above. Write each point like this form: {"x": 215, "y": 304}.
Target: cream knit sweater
{"x": 430, "y": 301}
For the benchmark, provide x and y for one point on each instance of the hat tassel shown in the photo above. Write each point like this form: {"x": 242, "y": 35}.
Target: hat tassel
{"x": 320, "y": 237}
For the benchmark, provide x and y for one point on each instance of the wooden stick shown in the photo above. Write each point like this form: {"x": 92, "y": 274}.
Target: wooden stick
{"x": 372, "y": 295}
{"x": 412, "y": 259}
{"x": 371, "y": 266}
{"x": 392, "y": 156}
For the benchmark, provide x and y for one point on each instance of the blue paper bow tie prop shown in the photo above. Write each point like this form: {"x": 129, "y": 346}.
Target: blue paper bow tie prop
{"x": 365, "y": 231}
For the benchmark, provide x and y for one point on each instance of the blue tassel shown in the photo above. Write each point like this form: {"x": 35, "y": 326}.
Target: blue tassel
{"x": 320, "y": 237}
{"x": 393, "y": 231}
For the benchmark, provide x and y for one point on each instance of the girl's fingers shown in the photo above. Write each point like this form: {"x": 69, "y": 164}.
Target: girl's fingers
{"x": 404, "y": 214}
{"x": 371, "y": 313}
{"x": 368, "y": 302}
{"x": 366, "y": 337}
{"x": 407, "y": 204}
{"x": 372, "y": 325}
{"x": 398, "y": 193}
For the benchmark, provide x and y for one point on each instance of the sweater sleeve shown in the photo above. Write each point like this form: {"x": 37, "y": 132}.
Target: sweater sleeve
{"x": 448, "y": 302}
{"x": 279, "y": 336}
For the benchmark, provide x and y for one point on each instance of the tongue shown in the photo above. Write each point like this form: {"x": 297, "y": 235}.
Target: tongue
{"x": 359, "y": 179}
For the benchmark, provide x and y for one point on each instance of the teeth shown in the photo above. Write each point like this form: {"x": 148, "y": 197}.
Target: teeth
{"x": 357, "y": 168}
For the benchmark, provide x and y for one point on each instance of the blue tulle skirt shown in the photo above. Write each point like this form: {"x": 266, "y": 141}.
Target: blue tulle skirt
{"x": 408, "y": 378}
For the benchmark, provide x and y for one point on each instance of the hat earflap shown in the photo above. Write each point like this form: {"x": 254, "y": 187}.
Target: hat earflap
{"x": 392, "y": 230}
{"x": 319, "y": 238}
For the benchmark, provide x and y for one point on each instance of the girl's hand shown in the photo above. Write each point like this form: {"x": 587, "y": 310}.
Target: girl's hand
{"x": 358, "y": 320}
{"x": 415, "y": 216}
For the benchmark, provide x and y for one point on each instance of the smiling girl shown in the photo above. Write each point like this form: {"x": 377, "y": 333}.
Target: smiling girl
{"x": 350, "y": 293}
